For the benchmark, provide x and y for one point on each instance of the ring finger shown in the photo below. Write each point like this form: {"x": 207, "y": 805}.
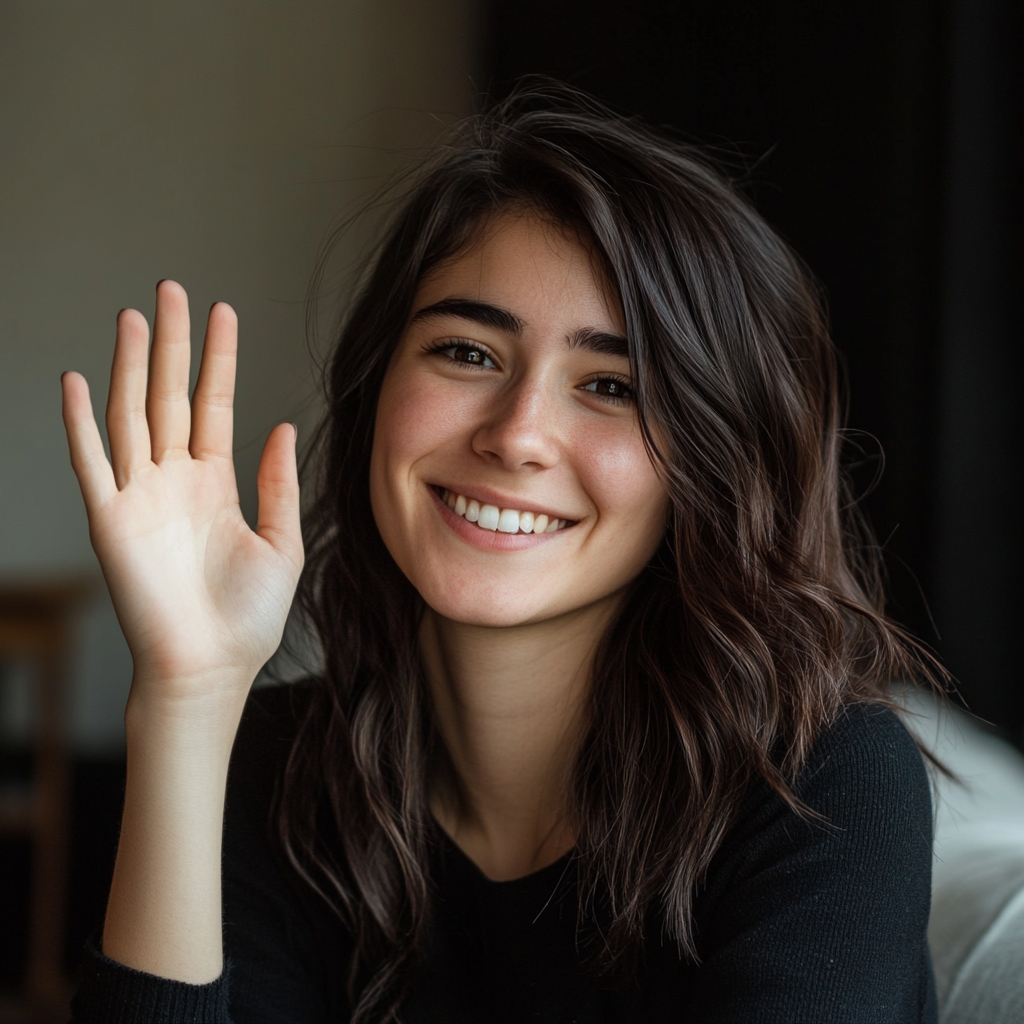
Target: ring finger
{"x": 127, "y": 428}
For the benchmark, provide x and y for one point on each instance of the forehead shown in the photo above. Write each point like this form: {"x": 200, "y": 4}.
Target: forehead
{"x": 542, "y": 271}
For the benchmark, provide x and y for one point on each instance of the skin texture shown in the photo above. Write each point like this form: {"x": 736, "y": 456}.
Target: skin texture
{"x": 509, "y": 635}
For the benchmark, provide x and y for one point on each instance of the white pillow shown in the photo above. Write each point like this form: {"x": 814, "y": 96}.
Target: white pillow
{"x": 976, "y": 931}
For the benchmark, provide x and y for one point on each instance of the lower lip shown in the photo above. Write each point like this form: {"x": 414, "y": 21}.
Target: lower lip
{"x": 489, "y": 540}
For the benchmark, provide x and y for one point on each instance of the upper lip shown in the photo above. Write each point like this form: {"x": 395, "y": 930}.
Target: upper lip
{"x": 489, "y": 496}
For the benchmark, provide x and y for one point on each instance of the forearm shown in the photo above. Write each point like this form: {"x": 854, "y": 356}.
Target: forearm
{"x": 164, "y": 912}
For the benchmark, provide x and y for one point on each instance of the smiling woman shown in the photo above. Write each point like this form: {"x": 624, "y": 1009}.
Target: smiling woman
{"x": 601, "y": 731}
{"x": 498, "y": 391}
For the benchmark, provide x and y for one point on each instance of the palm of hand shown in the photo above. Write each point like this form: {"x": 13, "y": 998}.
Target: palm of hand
{"x": 201, "y": 597}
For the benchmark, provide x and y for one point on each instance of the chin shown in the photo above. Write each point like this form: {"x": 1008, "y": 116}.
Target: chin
{"x": 490, "y": 607}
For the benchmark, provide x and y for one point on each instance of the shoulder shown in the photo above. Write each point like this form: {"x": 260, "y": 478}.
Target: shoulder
{"x": 866, "y": 764}
{"x": 831, "y": 906}
{"x": 867, "y": 820}
{"x": 864, "y": 782}
{"x": 869, "y": 752}
{"x": 866, "y": 731}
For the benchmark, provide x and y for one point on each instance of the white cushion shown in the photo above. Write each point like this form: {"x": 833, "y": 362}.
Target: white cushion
{"x": 976, "y": 931}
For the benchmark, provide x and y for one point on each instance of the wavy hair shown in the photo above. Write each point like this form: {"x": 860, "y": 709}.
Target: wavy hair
{"x": 760, "y": 615}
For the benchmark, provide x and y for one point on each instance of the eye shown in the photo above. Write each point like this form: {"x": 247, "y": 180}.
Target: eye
{"x": 464, "y": 352}
{"x": 615, "y": 389}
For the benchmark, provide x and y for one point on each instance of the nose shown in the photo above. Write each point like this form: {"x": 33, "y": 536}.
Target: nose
{"x": 521, "y": 428}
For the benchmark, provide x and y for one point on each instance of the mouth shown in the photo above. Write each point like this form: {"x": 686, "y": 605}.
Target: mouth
{"x": 493, "y": 519}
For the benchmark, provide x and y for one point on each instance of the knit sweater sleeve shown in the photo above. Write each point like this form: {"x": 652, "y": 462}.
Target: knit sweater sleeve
{"x": 825, "y": 922}
{"x": 111, "y": 993}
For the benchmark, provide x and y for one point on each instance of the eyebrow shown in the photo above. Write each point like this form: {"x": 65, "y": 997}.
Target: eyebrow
{"x": 482, "y": 313}
{"x": 602, "y": 342}
{"x": 487, "y": 315}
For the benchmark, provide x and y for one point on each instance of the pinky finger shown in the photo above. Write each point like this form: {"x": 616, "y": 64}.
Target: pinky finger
{"x": 88, "y": 459}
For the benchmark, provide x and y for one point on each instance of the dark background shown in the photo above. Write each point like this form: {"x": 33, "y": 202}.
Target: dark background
{"x": 884, "y": 141}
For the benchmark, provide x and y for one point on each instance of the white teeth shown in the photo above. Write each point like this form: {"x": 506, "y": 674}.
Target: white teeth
{"x": 504, "y": 520}
{"x": 489, "y": 516}
{"x": 508, "y": 521}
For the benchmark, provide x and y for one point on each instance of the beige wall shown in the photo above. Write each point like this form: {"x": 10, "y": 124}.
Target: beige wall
{"x": 213, "y": 142}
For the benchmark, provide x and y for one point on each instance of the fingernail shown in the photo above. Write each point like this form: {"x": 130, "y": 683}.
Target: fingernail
{"x": 295, "y": 427}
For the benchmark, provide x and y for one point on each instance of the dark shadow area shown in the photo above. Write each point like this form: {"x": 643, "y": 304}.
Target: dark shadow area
{"x": 884, "y": 141}
{"x": 97, "y": 793}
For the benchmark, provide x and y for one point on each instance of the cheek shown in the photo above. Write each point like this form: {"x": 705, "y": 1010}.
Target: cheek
{"x": 402, "y": 431}
{"x": 417, "y": 416}
{"x": 403, "y": 423}
{"x": 623, "y": 483}
{"x": 412, "y": 420}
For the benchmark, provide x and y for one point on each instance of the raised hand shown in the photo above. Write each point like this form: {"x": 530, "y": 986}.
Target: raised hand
{"x": 202, "y": 599}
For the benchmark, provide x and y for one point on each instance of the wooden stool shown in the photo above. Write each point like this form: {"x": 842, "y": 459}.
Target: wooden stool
{"x": 36, "y": 627}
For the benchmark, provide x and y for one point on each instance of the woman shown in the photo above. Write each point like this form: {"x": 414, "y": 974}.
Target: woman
{"x": 600, "y": 732}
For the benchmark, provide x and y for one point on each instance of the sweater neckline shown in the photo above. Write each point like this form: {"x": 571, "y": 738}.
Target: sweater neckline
{"x": 452, "y": 852}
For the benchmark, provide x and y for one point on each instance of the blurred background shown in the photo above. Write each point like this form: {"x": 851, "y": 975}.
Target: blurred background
{"x": 218, "y": 143}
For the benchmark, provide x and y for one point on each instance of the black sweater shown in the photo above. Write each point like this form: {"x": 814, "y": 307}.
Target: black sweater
{"x": 797, "y": 921}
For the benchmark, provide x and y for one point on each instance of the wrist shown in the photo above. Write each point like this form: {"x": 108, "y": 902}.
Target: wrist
{"x": 195, "y": 715}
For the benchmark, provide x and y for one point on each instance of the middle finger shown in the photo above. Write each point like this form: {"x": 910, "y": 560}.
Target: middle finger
{"x": 167, "y": 406}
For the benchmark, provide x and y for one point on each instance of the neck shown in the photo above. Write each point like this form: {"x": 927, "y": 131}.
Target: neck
{"x": 509, "y": 705}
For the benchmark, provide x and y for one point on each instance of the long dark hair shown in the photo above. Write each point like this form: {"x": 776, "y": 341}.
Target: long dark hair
{"x": 758, "y": 618}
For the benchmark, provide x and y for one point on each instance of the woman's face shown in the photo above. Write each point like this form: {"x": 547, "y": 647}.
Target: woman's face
{"x": 508, "y": 398}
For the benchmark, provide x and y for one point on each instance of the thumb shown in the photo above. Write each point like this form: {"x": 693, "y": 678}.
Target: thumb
{"x": 277, "y": 484}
